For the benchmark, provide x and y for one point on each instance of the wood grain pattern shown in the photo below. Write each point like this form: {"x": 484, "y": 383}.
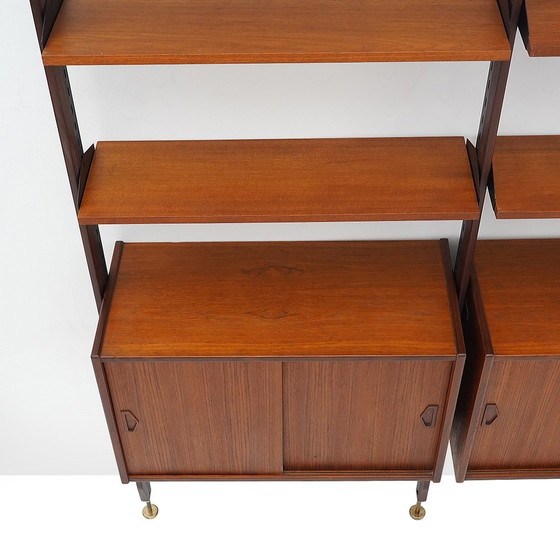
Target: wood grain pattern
{"x": 279, "y": 181}
{"x": 520, "y": 286}
{"x": 541, "y": 30}
{"x": 199, "y": 418}
{"x": 527, "y": 176}
{"x": 525, "y": 434}
{"x": 362, "y": 415}
{"x": 284, "y": 299}
{"x": 252, "y": 31}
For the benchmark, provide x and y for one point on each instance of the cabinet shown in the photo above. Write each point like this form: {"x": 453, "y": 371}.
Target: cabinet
{"x": 508, "y": 417}
{"x": 278, "y": 360}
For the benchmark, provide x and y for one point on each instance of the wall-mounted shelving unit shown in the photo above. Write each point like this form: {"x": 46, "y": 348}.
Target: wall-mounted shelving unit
{"x": 296, "y": 331}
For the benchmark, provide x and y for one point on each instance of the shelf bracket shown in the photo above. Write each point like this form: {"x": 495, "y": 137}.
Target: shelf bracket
{"x": 83, "y": 173}
{"x": 52, "y": 7}
{"x": 45, "y": 13}
{"x": 492, "y": 190}
{"x": 524, "y": 26}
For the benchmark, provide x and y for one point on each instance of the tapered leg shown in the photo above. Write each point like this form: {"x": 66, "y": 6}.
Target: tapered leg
{"x": 150, "y": 510}
{"x": 417, "y": 511}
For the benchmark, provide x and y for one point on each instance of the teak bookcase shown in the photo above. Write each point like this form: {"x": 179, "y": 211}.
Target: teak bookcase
{"x": 278, "y": 360}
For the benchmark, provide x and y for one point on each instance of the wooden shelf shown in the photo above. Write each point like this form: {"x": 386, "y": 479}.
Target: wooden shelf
{"x": 540, "y": 27}
{"x": 253, "y": 31}
{"x": 527, "y": 177}
{"x": 520, "y": 287}
{"x": 289, "y": 300}
{"x": 362, "y": 179}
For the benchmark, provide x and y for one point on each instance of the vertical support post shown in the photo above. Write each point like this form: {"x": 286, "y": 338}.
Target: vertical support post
{"x": 486, "y": 141}
{"x": 38, "y": 9}
{"x": 67, "y": 123}
{"x": 422, "y": 490}
{"x": 145, "y": 490}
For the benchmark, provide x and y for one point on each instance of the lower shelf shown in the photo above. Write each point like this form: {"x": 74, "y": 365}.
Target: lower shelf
{"x": 317, "y": 361}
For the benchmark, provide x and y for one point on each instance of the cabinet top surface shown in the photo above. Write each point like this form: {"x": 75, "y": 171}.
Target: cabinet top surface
{"x": 253, "y": 31}
{"x": 543, "y": 27}
{"x": 280, "y": 299}
{"x": 329, "y": 180}
{"x": 520, "y": 289}
{"x": 527, "y": 176}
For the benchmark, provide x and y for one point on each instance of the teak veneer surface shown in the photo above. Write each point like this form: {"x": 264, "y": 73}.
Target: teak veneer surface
{"x": 520, "y": 286}
{"x": 281, "y": 299}
{"x": 252, "y": 31}
{"x": 279, "y": 180}
{"x": 199, "y": 417}
{"x": 362, "y": 415}
{"x": 525, "y": 434}
{"x": 527, "y": 176}
{"x": 542, "y": 37}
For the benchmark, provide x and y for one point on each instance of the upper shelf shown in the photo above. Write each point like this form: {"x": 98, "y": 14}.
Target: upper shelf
{"x": 540, "y": 27}
{"x": 320, "y": 180}
{"x": 527, "y": 177}
{"x": 253, "y": 31}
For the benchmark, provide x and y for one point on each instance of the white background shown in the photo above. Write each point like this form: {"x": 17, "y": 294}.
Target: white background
{"x": 82, "y": 518}
{"x": 51, "y": 420}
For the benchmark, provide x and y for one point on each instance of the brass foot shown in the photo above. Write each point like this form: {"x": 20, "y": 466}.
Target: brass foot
{"x": 417, "y": 511}
{"x": 150, "y": 510}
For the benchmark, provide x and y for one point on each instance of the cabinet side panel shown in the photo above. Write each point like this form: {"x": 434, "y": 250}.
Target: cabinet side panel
{"x": 526, "y": 429}
{"x": 363, "y": 415}
{"x": 198, "y": 418}
{"x": 473, "y": 385}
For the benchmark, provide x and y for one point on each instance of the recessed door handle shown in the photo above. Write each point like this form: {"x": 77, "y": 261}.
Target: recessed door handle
{"x": 130, "y": 420}
{"x": 429, "y": 416}
{"x": 491, "y": 412}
